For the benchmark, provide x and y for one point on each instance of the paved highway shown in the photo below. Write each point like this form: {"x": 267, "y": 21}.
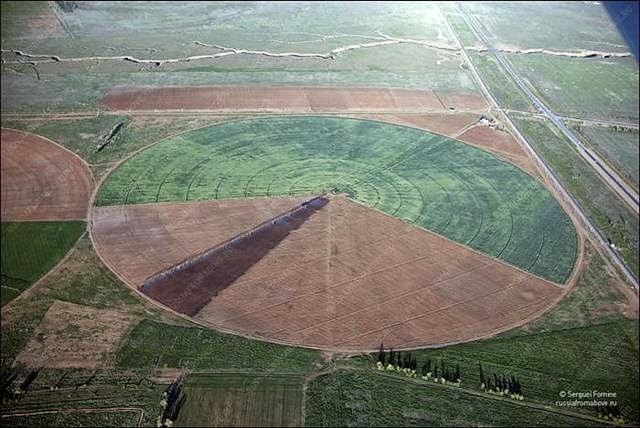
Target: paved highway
{"x": 611, "y": 177}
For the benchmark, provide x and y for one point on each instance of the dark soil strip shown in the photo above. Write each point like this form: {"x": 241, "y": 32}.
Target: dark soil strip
{"x": 191, "y": 284}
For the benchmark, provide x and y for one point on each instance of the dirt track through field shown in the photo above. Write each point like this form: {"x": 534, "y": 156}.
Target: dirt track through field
{"x": 348, "y": 278}
{"x": 41, "y": 180}
{"x": 286, "y": 99}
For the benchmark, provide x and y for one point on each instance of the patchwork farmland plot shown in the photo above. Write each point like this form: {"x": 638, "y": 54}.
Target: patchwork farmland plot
{"x": 285, "y": 99}
{"x": 433, "y": 182}
{"x": 242, "y": 400}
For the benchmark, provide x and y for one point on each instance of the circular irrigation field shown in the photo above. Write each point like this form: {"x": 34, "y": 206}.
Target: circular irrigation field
{"x": 419, "y": 218}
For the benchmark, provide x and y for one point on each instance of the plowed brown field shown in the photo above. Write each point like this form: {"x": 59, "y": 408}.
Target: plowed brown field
{"x": 138, "y": 241}
{"x": 348, "y": 278}
{"x": 41, "y": 180}
{"x": 284, "y": 99}
{"x": 493, "y": 139}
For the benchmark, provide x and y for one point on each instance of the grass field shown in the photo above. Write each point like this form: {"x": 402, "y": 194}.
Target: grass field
{"x": 311, "y": 28}
{"x": 600, "y": 357}
{"x": 78, "y": 396}
{"x": 153, "y": 344}
{"x": 618, "y": 146}
{"x": 84, "y": 418}
{"x": 566, "y": 26}
{"x": 612, "y": 216}
{"x": 593, "y": 300}
{"x": 451, "y": 188}
{"x": 587, "y": 88}
{"x": 367, "y": 398}
{"x": 242, "y": 400}
{"x": 31, "y": 249}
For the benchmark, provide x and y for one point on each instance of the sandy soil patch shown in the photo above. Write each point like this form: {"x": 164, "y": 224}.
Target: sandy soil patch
{"x": 74, "y": 336}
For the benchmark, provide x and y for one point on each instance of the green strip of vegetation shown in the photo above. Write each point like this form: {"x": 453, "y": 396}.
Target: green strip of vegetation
{"x": 501, "y": 86}
{"x": 154, "y": 344}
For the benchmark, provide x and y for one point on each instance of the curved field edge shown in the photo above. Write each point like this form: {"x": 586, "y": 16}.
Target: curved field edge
{"x": 31, "y": 249}
{"x": 434, "y": 182}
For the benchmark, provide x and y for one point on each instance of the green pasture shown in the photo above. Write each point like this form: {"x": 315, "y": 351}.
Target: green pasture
{"x": 31, "y": 249}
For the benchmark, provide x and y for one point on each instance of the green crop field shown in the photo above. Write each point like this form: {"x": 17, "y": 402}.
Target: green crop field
{"x": 153, "y": 344}
{"x": 242, "y": 400}
{"x": 367, "y": 398}
{"x": 456, "y": 190}
{"x": 31, "y": 249}
{"x": 619, "y": 146}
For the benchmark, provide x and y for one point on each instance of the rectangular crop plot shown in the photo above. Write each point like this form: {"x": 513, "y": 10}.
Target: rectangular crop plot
{"x": 284, "y": 98}
{"x": 242, "y": 400}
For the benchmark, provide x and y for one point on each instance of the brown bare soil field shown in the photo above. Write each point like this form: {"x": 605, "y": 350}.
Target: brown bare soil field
{"x": 75, "y": 336}
{"x": 493, "y": 139}
{"x": 463, "y": 101}
{"x": 138, "y": 241}
{"x": 41, "y": 180}
{"x": 448, "y": 123}
{"x": 190, "y": 285}
{"x": 278, "y": 99}
{"x": 350, "y": 278}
